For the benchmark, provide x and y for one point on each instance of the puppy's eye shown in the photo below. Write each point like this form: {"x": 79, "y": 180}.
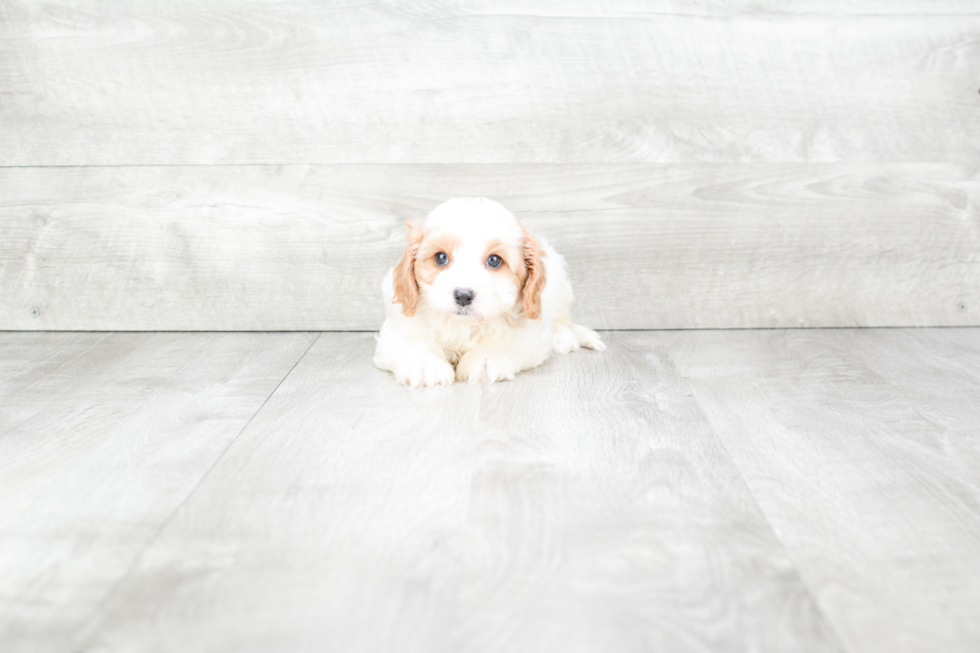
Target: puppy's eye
{"x": 441, "y": 259}
{"x": 495, "y": 261}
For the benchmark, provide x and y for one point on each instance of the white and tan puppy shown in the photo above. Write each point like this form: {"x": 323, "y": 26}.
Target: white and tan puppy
{"x": 475, "y": 297}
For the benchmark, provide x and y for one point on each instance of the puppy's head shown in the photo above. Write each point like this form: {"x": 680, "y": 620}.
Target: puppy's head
{"x": 471, "y": 259}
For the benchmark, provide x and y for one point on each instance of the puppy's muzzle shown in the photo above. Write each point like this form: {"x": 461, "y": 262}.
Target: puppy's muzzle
{"x": 463, "y": 296}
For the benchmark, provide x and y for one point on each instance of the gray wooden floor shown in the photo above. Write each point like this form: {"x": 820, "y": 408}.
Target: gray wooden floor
{"x": 777, "y": 490}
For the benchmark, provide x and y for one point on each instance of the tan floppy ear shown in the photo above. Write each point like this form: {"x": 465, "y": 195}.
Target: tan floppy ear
{"x": 534, "y": 264}
{"x": 403, "y": 279}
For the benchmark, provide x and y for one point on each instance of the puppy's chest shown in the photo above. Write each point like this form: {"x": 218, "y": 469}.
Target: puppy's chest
{"x": 457, "y": 339}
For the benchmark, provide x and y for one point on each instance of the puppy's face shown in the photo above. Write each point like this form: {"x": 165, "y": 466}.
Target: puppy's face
{"x": 472, "y": 260}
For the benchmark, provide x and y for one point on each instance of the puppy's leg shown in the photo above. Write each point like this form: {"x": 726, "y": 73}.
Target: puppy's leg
{"x": 565, "y": 340}
{"x": 502, "y": 360}
{"x": 487, "y": 365}
{"x": 415, "y": 362}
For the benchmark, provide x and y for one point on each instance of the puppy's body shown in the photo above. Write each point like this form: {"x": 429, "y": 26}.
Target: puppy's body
{"x": 476, "y": 297}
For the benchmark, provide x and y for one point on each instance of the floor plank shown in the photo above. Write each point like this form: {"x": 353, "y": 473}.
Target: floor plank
{"x": 684, "y": 491}
{"x": 327, "y": 527}
{"x": 102, "y": 436}
{"x": 648, "y": 246}
{"x": 233, "y": 81}
{"x": 605, "y": 515}
{"x": 585, "y": 507}
{"x": 861, "y": 447}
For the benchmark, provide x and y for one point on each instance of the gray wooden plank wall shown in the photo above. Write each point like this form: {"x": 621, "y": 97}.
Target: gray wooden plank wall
{"x": 247, "y": 165}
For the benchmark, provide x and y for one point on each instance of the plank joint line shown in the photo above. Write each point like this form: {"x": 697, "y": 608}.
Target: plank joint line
{"x": 163, "y": 525}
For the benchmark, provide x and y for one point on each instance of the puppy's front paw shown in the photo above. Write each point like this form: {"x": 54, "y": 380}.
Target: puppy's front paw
{"x": 426, "y": 372}
{"x": 564, "y": 340}
{"x": 485, "y": 367}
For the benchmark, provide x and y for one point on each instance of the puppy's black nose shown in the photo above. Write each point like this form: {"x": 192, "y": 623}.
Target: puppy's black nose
{"x": 464, "y": 296}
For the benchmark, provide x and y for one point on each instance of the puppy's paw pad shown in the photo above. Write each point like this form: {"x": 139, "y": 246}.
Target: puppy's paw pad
{"x": 485, "y": 368}
{"x": 427, "y": 374}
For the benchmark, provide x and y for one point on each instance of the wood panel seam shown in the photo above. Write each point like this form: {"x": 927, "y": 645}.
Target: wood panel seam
{"x": 84, "y": 633}
{"x": 831, "y": 630}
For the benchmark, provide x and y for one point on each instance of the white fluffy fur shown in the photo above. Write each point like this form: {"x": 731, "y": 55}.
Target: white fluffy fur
{"x": 492, "y": 339}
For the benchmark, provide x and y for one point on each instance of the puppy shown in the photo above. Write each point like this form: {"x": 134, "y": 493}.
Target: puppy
{"x": 475, "y": 297}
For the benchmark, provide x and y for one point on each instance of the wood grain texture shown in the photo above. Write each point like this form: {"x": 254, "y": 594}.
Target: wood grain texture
{"x": 102, "y": 436}
{"x": 861, "y": 449}
{"x": 605, "y": 515}
{"x": 585, "y": 507}
{"x": 229, "y": 82}
{"x": 649, "y": 246}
